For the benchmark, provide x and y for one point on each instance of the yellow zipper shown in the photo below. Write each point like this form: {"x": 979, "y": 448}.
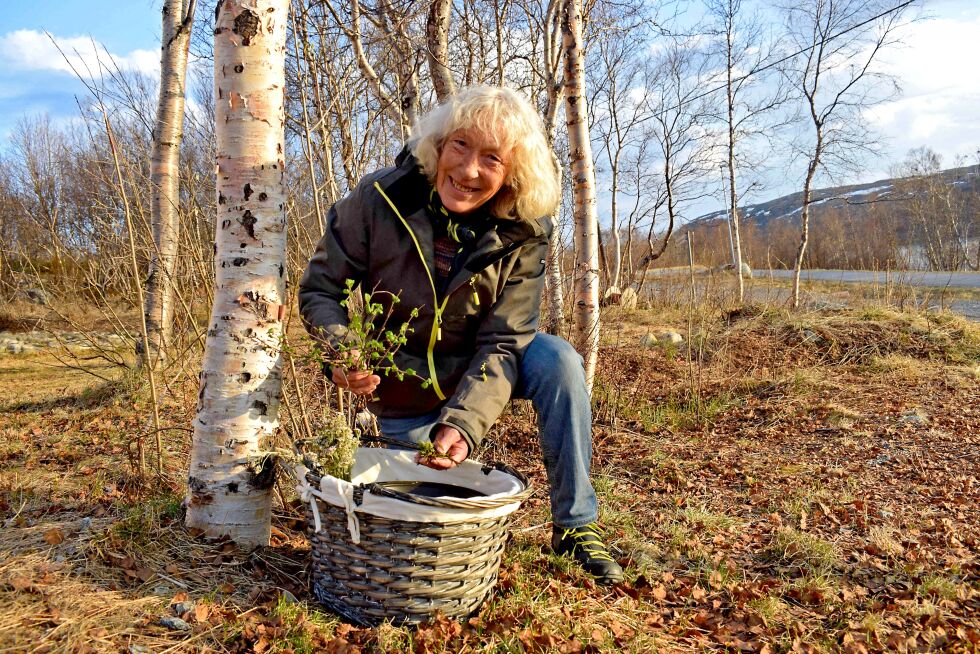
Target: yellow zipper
{"x": 436, "y": 332}
{"x": 476, "y": 296}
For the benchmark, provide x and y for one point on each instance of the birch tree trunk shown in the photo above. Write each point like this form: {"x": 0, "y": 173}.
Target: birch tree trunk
{"x": 730, "y": 101}
{"x": 437, "y": 40}
{"x": 553, "y": 97}
{"x": 811, "y": 172}
{"x": 178, "y": 18}
{"x": 230, "y": 481}
{"x": 585, "y": 316}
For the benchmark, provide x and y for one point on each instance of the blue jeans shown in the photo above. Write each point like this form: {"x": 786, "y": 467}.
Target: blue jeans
{"x": 553, "y": 378}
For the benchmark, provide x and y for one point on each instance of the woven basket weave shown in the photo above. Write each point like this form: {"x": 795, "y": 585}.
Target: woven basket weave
{"x": 406, "y": 571}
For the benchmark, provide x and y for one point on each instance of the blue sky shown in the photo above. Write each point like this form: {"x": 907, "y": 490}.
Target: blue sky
{"x": 34, "y": 77}
{"x": 937, "y": 68}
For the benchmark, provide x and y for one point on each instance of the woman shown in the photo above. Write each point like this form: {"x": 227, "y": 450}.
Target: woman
{"x": 458, "y": 230}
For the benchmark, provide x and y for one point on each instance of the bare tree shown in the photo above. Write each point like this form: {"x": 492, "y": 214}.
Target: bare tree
{"x": 178, "y": 18}
{"x": 745, "y": 50}
{"x": 585, "y": 324}
{"x": 839, "y": 42}
{"x": 941, "y": 223}
{"x": 619, "y": 114}
{"x": 398, "y": 44}
{"x": 437, "y": 40}
{"x": 680, "y": 113}
{"x": 40, "y": 150}
{"x": 229, "y": 480}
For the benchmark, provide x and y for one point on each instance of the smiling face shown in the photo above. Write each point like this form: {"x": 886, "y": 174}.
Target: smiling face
{"x": 472, "y": 168}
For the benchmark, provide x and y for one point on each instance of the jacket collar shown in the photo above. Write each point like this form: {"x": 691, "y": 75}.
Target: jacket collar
{"x": 408, "y": 188}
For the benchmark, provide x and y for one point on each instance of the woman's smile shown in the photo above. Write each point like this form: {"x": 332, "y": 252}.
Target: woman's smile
{"x": 472, "y": 168}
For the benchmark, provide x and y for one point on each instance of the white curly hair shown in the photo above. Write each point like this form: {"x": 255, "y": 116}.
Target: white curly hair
{"x": 532, "y": 186}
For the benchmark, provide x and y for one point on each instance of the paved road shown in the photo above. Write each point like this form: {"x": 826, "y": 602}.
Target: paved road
{"x": 968, "y": 308}
{"x": 911, "y": 278}
{"x": 937, "y": 280}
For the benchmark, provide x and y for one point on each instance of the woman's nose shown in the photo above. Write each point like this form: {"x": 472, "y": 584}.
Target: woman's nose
{"x": 470, "y": 165}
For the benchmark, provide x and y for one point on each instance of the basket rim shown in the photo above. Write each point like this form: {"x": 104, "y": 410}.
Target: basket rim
{"x": 476, "y": 503}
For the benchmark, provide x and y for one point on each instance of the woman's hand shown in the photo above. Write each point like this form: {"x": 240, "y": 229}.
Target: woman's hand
{"x": 358, "y": 382}
{"x": 450, "y": 442}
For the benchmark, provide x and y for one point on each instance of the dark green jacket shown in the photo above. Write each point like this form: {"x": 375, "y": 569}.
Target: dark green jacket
{"x": 468, "y": 340}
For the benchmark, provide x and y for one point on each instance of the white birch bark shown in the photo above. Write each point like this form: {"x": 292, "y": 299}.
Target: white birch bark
{"x": 178, "y": 18}
{"x": 229, "y": 483}
{"x": 585, "y": 315}
{"x": 553, "y": 98}
{"x": 733, "y": 197}
{"x": 437, "y": 40}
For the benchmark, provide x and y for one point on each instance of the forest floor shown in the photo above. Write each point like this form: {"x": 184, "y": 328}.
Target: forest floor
{"x": 802, "y": 482}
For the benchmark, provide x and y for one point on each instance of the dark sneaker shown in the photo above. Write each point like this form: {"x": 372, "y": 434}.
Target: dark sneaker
{"x": 585, "y": 544}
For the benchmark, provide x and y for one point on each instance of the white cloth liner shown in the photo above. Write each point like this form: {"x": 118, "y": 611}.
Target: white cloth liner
{"x": 379, "y": 464}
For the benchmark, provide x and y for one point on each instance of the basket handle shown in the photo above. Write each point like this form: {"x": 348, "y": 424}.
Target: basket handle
{"x": 387, "y": 440}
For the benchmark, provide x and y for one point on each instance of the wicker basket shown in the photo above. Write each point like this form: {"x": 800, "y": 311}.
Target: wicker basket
{"x": 402, "y": 570}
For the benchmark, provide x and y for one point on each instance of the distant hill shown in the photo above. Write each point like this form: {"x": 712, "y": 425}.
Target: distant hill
{"x": 855, "y": 196}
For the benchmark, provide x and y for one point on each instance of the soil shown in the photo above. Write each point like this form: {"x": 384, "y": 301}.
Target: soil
{"x": 804, "y": 483}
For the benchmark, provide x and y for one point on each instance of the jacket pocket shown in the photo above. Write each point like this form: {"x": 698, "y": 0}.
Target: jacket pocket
{"x": 459, "y": 333}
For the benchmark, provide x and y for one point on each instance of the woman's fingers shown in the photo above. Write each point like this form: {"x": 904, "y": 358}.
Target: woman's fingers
{"x": 438, "y": 463}
{"x": 359, "y": 382}
{"x": 452, "y": 445}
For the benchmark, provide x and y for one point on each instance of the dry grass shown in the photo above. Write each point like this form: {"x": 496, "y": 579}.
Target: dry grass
{"x": 774, "y": 494}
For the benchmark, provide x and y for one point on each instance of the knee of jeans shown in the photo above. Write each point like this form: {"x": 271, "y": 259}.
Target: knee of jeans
{"x": 554, "y": 356}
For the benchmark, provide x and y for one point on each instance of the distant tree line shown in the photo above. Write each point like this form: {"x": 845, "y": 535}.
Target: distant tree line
{"x": 684, "y": 100}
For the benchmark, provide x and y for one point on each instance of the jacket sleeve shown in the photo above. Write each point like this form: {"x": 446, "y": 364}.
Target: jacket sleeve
{"x": 504, "y": 334}
{"x": 342, "y": 254}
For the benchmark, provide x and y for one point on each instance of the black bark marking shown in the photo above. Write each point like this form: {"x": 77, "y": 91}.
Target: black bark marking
{"x": 245, "y": 377}
{"x": 239, "y": 261}
{"x": 247, "y": 25}
{"x": 221, "y": 198}
{"x": 282, "y": 270}
{"x": 261, "y": 407}
{"x": 247, "y": 191}
{"x": 248, "y": 222}
{"x": 265, "y": 476}
{"x": 198, "y": 489}
{"x": 263, "y": 197}
{"x": 225, "y": 224}
{"x": 233, "y": 487}
{"x": 239, "y": 68}
{"x": 242, "y": 245}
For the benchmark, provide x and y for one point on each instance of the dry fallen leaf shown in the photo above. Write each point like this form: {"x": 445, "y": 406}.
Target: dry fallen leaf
{"x": 54, "y": 536}
{"x": 20, "y": 582}
{"x": 201, "y": 612}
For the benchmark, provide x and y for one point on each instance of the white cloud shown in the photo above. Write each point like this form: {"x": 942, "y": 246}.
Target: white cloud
{"x": 936, "y": 68}
{"x": 33, "y": 51}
